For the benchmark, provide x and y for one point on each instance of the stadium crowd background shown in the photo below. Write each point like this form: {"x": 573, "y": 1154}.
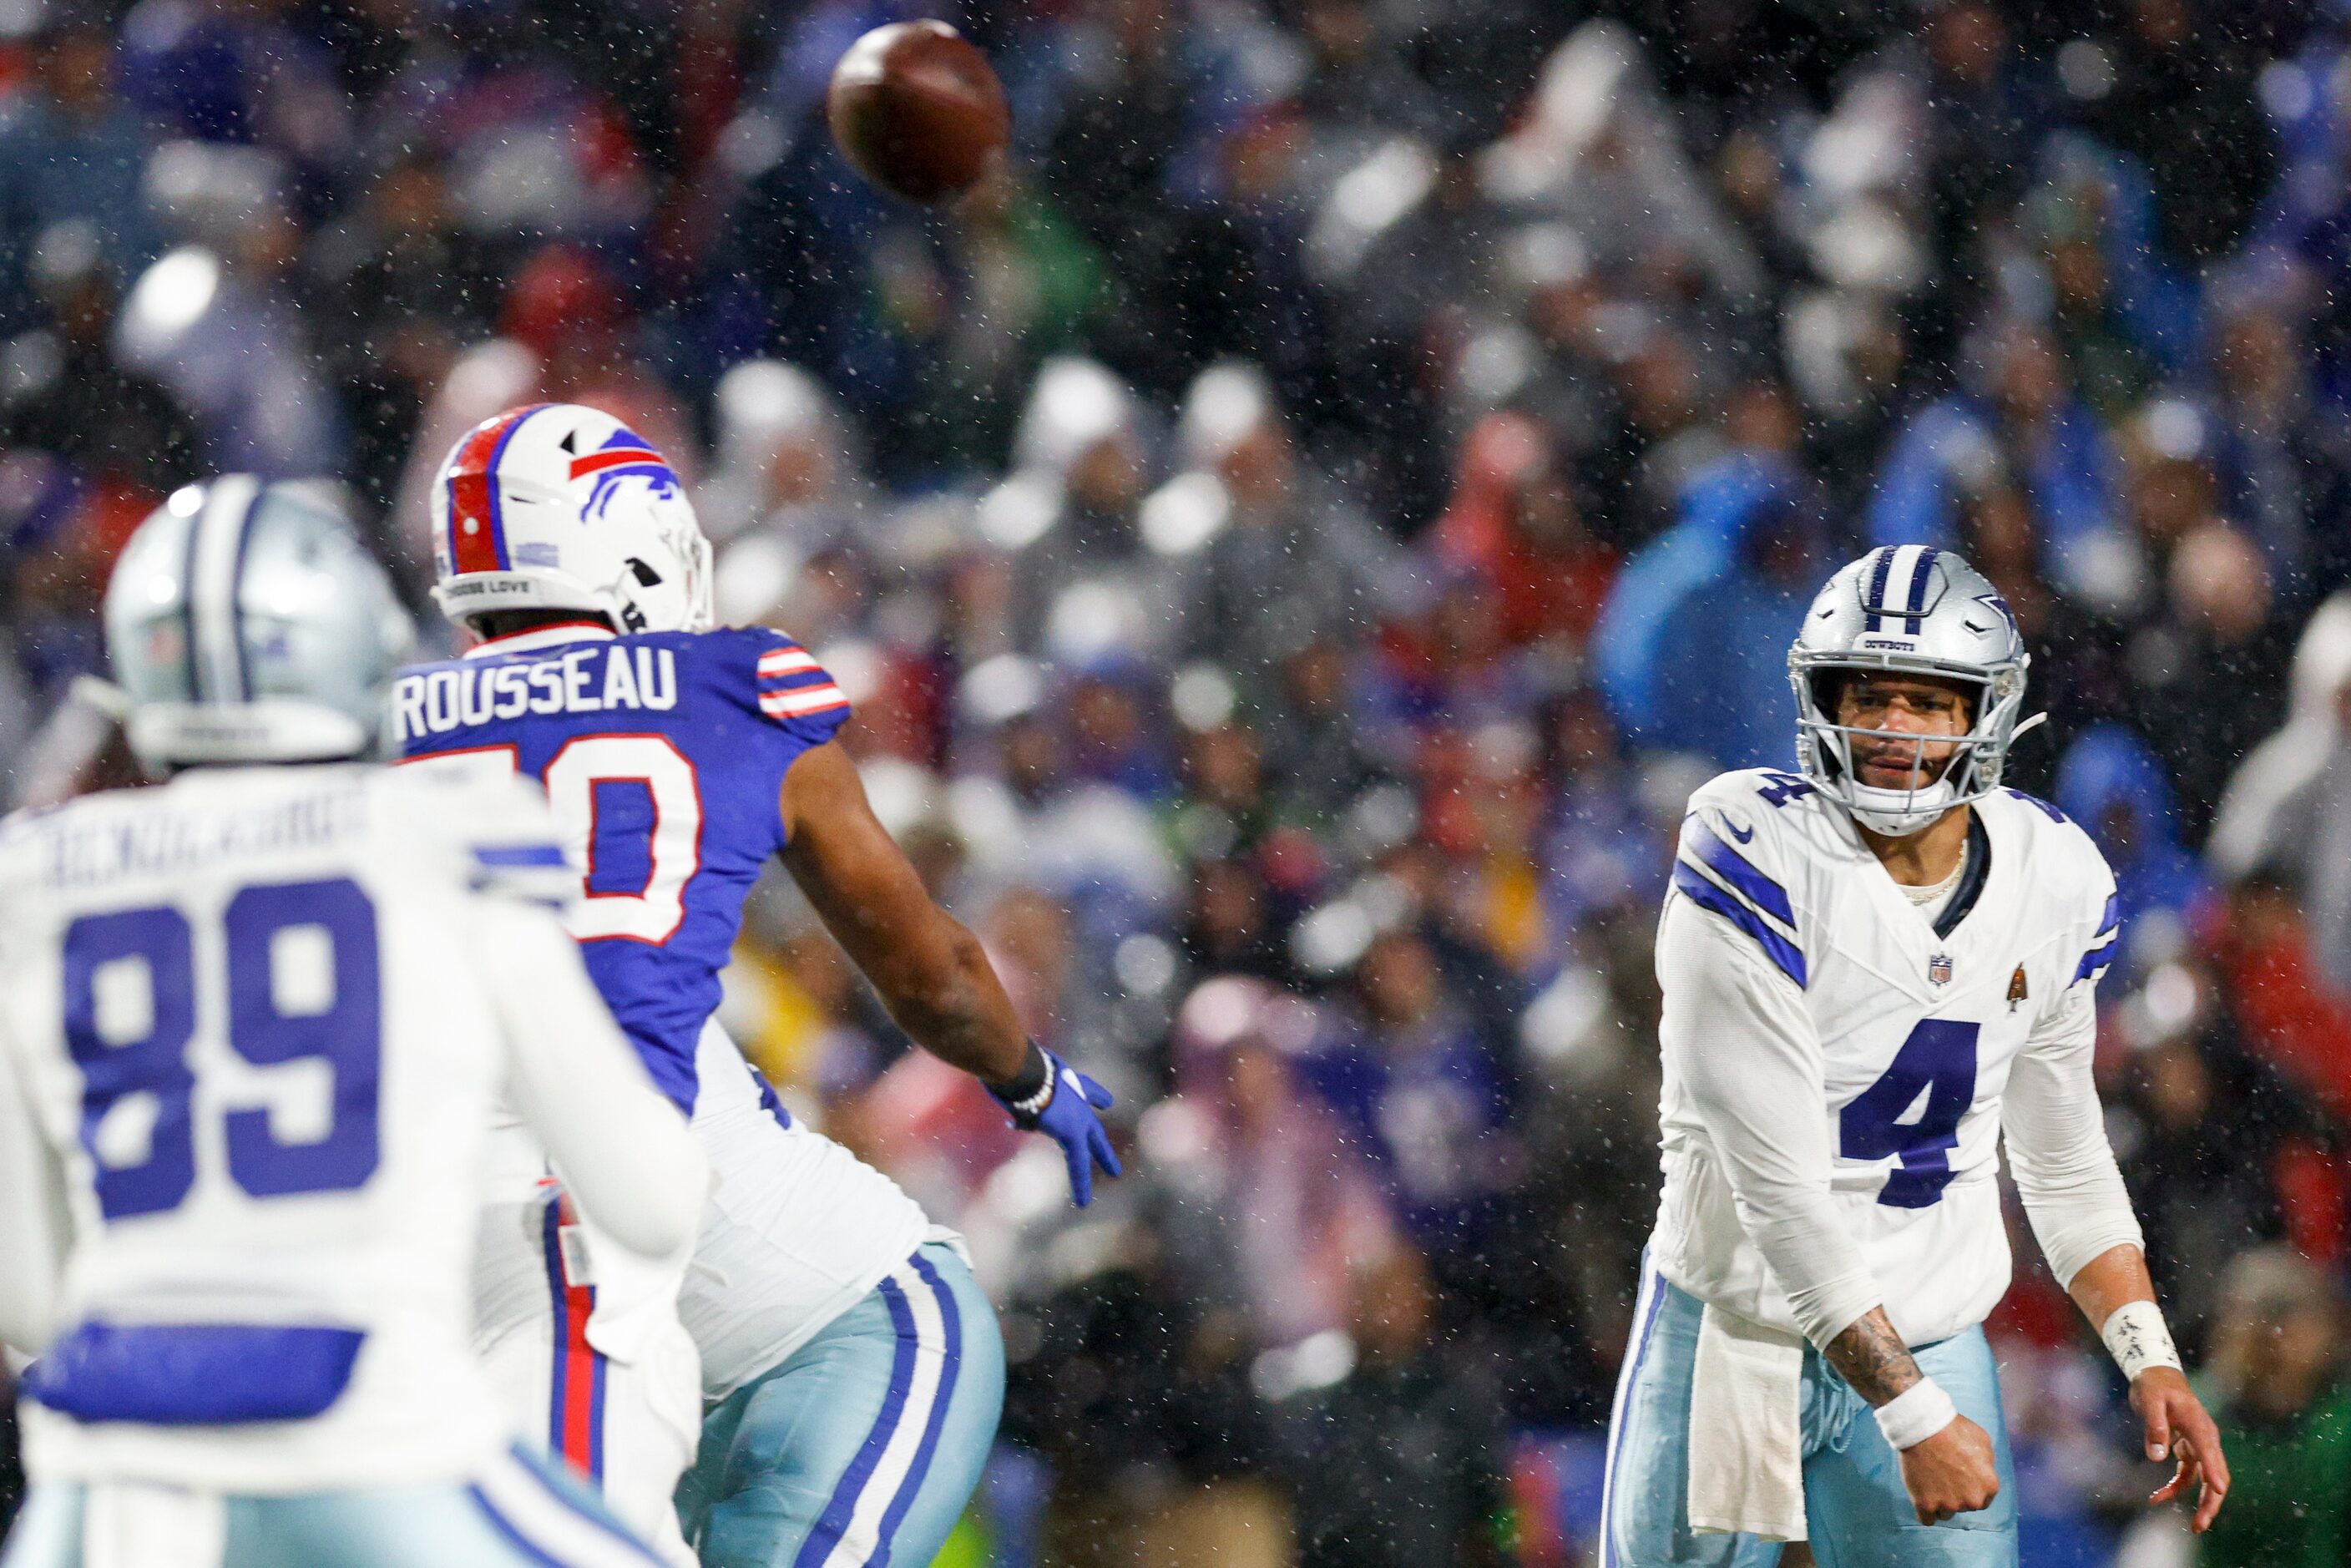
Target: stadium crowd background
{"x": 1295, "y": 538}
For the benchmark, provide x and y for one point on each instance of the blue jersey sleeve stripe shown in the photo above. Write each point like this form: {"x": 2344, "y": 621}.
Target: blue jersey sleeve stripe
{"x": 2094, "y": 962}
{"x": 502, "y": 855}
{"x": 1741, "y": 873}
{"x": 2112, "y": 917}
{"x": 2043, "y": 807}
{"x": 1706, "y": 896}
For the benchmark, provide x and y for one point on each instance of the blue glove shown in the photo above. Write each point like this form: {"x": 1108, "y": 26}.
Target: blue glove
{"x": 1062, "y": 1107}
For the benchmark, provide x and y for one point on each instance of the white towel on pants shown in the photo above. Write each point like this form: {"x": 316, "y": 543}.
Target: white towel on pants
{"x": 1746, "y": 1436}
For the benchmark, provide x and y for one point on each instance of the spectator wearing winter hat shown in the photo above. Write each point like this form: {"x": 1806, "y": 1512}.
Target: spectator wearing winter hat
{"x": 1270, "y": 552}
{"x": 1066, "y": 516}
{"x": 1514, "y": 518}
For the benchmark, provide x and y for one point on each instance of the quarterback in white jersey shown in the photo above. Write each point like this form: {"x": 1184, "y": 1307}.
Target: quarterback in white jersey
{"x": 253, "y": 1022}
{"x": 1876, "y": 973}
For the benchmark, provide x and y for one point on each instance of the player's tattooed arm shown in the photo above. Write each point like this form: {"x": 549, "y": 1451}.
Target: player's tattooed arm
{"x": 1872, "y": 1357}
{"x": 929, "y": 971}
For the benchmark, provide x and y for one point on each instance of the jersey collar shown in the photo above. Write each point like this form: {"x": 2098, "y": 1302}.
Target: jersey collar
{"x": 538, "y": 637}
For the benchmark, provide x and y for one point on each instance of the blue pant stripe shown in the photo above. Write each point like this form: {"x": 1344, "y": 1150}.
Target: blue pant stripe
{"x": 951, "y": 1327}
{"x": 513, "y": 1537}
{"x": 537, "y": 1469}
{"x": 1656, "y": 1286}
{"x": 834, "y": 1521}
{"x": 549, "y": 1231}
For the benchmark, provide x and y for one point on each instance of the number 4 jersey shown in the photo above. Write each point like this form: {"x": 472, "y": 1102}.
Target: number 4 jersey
{"x": 1841, "y": 1064}
{"x": 663, "y": 755}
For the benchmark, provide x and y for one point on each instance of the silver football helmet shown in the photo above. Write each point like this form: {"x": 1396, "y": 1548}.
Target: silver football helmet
{"x": 246, "y": 623}
{"x": 1917, "y": 610}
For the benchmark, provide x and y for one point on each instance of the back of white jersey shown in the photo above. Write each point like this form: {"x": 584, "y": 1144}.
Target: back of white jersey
{"x": 244, "y": 1009}
{"x": 1917, "y": 1033}
{"x": 799, "y": 1229}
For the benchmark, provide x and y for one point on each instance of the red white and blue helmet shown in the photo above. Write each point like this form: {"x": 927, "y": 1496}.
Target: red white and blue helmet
{"x": 560, "y": 506}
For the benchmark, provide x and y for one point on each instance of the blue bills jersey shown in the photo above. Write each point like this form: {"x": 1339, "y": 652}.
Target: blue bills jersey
{"x": 663, "y": 756}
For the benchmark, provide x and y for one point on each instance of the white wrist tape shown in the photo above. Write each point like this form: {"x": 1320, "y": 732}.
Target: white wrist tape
{"x": 1916, "y": 1414}
{"x": 2136, "y": 1338}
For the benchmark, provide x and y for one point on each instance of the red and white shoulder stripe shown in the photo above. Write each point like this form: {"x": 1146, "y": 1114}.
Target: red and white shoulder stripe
{"x": 792, "y": 685}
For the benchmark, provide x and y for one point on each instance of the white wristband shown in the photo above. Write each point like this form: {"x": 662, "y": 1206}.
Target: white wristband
{"x": 2136, "y": 1338}
{"x": 1916, "y": 1414}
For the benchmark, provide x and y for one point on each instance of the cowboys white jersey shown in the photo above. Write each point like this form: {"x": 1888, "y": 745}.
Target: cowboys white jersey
{"x": 1837, "y": 1074}
{"x": 251, "y": 1026}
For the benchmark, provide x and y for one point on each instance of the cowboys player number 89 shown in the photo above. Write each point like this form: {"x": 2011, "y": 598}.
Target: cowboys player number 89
{"x": 1876, "y": 971}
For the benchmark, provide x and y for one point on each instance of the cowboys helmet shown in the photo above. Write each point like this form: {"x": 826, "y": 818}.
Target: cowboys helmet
{"x": 560, "y": 506}
{"x": 1914, "y": 611}
{"x": 246, "y": 623}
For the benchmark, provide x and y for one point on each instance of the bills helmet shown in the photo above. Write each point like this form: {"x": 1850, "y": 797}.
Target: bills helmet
{"x": 560, "y": 506}
{"x": 246, "y": 623}
{"x": 1914, "y": 611}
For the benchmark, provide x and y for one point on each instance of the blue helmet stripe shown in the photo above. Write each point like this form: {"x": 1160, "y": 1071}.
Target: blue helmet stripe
{"x": 1878, "y": 573}
{"x": 497, "y": 512}
{"x": 1920, "y": 575}
{"x": 236, "y": 597}
{"x": 188, "y": 609}
{"x": 215, "y": 567}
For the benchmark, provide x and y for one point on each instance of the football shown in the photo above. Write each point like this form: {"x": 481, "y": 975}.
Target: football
{"x": 917, "y": 110}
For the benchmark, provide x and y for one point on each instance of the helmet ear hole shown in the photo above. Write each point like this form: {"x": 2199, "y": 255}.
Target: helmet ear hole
{"x": 646, "y": 576}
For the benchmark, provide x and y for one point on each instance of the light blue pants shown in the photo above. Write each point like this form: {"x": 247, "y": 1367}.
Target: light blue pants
{"x": 1856, "y": 1507}
{"x": 515, "y": 1513}
{"x": 864, "y": 1447}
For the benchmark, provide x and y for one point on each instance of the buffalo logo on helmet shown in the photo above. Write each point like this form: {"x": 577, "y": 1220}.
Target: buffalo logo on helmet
{"x": 625, "y": 454}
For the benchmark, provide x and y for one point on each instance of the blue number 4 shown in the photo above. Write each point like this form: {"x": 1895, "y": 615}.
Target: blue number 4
{"x": 347, "y": 1035}
{"x": 1785, "y": 788}
{"x": 1940, "y": 1061}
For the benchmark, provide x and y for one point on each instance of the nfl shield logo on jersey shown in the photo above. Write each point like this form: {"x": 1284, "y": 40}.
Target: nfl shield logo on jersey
{"x": 1938, "y": 969}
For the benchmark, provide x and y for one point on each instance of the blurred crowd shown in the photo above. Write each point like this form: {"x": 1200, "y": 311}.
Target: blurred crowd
{"x": 1296, "y": 534}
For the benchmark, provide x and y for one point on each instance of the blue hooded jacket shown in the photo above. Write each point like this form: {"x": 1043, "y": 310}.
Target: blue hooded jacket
{"x": 1691, "y": 649}
{"x": 2111, "y": 783}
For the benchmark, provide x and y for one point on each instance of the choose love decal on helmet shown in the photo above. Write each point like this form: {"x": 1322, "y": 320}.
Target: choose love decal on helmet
{"x": 562, "y": 506}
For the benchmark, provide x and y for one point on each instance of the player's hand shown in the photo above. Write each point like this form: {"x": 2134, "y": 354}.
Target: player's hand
{"x": 2178, "y": 1427}
{"x": 1067, "y": 1118}
{"x": 1951, "y": 1472}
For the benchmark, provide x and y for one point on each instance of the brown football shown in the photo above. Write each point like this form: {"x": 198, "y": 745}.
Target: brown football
{"x": 917, "y": 110}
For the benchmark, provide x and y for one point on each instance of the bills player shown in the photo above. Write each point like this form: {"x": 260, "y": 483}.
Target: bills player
{"x": 853, "y": 1371}
{"x": 253, "y": 1021}
{"x": 1875, "y": 972}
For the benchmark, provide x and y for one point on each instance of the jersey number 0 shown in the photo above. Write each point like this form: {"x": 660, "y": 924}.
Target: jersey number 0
{"x": 630, "y": 806}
